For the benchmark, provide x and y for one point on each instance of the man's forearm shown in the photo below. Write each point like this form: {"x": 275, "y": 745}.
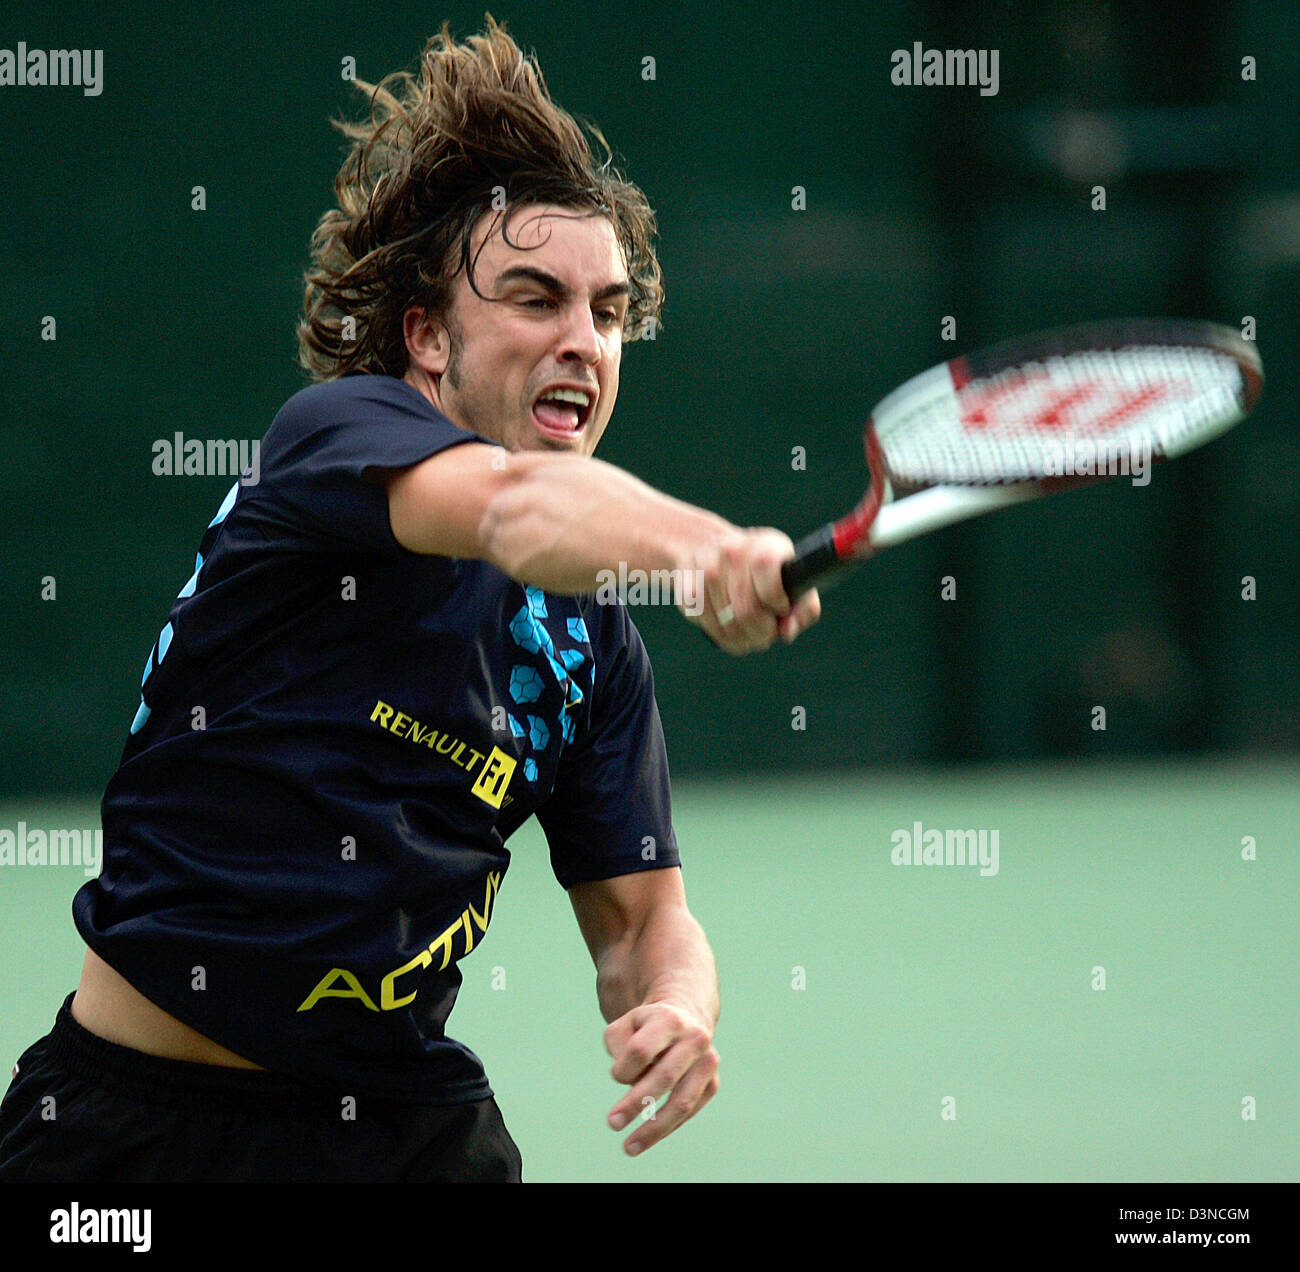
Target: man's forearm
{"x": 558, "y": 521}
{"x": 667, "y": 960}
{"x": 567, "y": 523}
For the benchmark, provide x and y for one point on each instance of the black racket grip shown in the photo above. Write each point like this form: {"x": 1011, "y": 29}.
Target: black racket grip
{"x": 814, "y": 558}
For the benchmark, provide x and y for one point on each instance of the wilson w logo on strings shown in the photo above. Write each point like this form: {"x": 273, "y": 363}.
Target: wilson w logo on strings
{"x": 1042, "y": 402}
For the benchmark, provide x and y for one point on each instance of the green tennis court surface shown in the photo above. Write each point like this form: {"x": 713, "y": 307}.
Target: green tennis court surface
{"x": 862, "y": 998}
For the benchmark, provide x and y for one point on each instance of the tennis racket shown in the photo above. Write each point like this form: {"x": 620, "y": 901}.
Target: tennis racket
{"x": 1032, "y": 417}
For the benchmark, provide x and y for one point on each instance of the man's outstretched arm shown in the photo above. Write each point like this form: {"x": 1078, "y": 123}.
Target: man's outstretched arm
{"x": 557, "y": 521}
{"x": 657, "y": 985}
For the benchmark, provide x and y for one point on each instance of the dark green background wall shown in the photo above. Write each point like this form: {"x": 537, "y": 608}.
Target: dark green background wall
{"x": 782, "y": 328}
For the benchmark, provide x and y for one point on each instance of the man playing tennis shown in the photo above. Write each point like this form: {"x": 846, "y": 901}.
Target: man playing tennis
{"x": 388, "y": 657}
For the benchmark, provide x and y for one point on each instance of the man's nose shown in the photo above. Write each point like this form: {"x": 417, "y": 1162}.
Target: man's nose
{"x": 579, "y": 339}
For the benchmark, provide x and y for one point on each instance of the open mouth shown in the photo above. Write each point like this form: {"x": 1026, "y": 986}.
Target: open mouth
{"x": 562, "y": 413}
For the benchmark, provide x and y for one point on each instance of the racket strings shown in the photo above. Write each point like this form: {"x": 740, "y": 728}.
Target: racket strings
{"x": 1058, "y": 416}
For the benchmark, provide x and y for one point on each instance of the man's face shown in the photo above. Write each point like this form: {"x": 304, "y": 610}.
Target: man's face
{"x": 553, "y": 321}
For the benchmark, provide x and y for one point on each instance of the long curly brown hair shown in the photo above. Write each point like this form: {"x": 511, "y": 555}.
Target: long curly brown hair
{"x": 475, "y": 132}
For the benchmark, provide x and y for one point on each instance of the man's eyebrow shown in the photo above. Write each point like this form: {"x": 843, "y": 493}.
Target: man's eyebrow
{"x": 531, "y": 273}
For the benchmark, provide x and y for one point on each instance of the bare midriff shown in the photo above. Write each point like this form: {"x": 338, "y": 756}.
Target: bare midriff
{"x": 107, "y": 1005}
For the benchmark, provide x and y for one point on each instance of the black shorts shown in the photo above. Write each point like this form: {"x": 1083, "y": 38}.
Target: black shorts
{"x": 81, "y": 1109}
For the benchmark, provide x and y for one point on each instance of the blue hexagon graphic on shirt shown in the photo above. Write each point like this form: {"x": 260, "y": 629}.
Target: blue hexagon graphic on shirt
{"x": 539, "y": 733}
{"x": 516, "y": 729}
{"x": 525, "y": 683}
{"x": 578, "y": 630}
{"x": 530, "y": 635}
{"x": 536, "y": 601}
{"x": 526, "y": 631}
{"x": 530, "y": 769}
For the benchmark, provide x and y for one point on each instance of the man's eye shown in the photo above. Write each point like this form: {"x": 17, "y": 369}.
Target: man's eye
{"x": 543, "y": 301}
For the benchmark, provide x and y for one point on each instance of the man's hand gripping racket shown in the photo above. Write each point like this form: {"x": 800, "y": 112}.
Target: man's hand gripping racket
{"x": 1031, "y": 417}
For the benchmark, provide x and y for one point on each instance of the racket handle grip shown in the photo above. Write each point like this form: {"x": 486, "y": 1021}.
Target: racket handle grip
{"x": 814, "y": 557}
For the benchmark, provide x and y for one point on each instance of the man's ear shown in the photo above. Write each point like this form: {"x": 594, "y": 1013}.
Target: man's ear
{"x": 428, "y": 342}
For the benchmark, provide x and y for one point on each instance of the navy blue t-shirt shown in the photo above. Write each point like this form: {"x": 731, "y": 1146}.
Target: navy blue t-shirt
{"x": 335, "y": 739}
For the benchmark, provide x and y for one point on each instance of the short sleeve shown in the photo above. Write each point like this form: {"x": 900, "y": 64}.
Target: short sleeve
{"x": 323, "y": 458}
{"x": 610, "y": 811}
